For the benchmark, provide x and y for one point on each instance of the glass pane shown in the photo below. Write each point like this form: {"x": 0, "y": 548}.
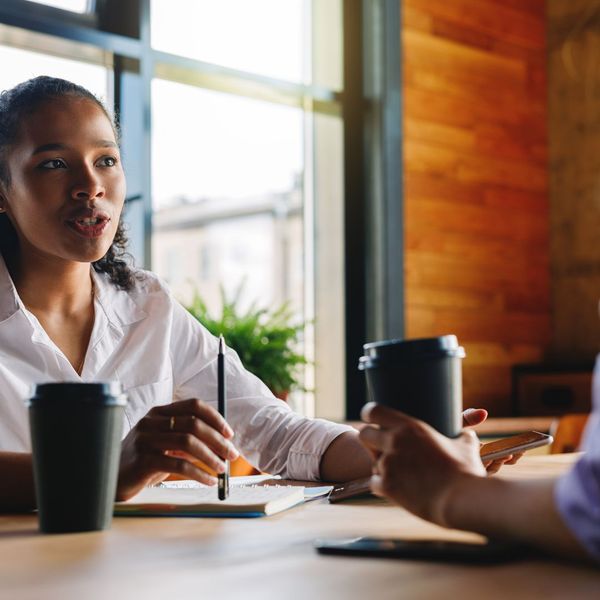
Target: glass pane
{"x": 210, "y": 144}
{"x": 19, "y": 65}
{"x": 79, "y": 6}
{"x": 249, "y": 191}
{"x": 227, "y": 196}
{"x": 265, "y": 37}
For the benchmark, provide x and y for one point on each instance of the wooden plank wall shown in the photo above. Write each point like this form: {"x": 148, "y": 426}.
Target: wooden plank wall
{"x": 574, "y": 133}
{"x": 476, "y": 184}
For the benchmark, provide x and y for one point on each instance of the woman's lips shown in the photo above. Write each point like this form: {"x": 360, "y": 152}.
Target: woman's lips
{"x": 88, "y": 228}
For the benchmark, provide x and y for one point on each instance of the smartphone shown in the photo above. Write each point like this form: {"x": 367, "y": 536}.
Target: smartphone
{"x": 350, "y": 489}
{"x": 435, "y": 550}
{"x": 514, "y": 444}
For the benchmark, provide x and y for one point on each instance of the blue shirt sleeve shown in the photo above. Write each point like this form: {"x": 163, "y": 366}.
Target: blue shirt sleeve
{"x": 577, "y": 493}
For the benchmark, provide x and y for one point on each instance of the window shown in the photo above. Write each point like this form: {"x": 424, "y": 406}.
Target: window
{"x": 253, "y": 171}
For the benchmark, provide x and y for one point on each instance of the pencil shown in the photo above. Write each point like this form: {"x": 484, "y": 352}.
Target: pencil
{"x": 222, "y": 393}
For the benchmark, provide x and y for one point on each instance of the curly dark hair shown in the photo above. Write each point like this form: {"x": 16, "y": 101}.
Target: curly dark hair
{"x": 15, "y": 104}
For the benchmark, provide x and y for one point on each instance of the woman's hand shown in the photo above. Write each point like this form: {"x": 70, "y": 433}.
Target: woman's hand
{"x": 169, "y": 439}
{"x": 417, "y": 467}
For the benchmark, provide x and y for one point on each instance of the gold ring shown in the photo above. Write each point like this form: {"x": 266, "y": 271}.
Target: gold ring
{"x": 172, "y": 424}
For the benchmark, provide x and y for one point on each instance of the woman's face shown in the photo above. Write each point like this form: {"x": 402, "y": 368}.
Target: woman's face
{"x": 67, "y": 184}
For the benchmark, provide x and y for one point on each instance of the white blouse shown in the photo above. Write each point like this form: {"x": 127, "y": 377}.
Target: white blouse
{"x": 146, "y": 340}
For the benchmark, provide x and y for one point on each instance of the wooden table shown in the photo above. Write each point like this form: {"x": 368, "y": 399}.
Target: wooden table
{"x": 268, "y": 558}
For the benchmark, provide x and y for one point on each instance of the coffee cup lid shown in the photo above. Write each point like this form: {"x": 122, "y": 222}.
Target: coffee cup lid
{"x": 417, "y": 349}
{"x": 107, "y": 392}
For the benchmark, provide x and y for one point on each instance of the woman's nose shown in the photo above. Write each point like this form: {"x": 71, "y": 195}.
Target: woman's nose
{"x": 87, "y": 186}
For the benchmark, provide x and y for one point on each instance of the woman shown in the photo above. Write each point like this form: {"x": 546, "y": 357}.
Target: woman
{"x": 62, "y": 190}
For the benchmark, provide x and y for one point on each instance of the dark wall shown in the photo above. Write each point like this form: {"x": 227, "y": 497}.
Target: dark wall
{"x": 574, "y": 136}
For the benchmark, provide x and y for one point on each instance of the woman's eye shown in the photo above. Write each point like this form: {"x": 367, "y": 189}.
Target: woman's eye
{"x": 55, "y": 163}
{"x": 107, "y": 161}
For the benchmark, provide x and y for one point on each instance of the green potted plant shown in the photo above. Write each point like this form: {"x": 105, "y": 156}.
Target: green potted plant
{"x": 266, "y": 340}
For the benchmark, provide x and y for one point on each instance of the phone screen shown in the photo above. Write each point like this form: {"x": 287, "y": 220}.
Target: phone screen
{"x": 514, "y": 444}
{"x": 437, "y": 550}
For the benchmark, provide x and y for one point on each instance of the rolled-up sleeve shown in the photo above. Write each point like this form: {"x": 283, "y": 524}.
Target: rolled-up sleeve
{"x": 269, "y": 434}
{"x": 277, "y": 440}
{"x": 577, "y": 493}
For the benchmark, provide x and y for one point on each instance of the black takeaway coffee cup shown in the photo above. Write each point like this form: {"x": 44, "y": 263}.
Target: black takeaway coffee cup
{"x": 422, "y": 378}
{"x": 76, "y": 433}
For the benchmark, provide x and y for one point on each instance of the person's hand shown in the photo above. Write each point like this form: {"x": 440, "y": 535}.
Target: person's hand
{"x": 493, "y": 466}
{"x": 476, "y": 416}
{"x": 169, "y": 439}
{"x": 417, "y": 467}
{"x": 471, "y": 418}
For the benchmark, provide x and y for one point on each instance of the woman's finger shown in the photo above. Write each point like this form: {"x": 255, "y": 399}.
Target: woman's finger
{"x": 180, "y": 466}
{"x": 209, "y": 436}
{"x": 197, "y": 408}
{"x": 190, "y": 445}
{"x": 194, "y": 426}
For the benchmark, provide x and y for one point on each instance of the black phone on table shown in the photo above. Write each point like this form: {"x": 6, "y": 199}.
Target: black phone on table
{"x": 436, "y": 550}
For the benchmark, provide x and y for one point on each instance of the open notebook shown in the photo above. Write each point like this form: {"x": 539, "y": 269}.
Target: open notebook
{"x": 246, "y": 500}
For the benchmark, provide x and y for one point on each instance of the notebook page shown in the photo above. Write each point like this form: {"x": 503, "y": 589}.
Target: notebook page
{"x": 241, "y": 496}
{"x": 233, "y": 481}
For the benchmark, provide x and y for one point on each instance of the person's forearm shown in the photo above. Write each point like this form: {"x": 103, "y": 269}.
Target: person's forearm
{"x": 17, "y": 490}
{"x": 521, "y": 511}
{"x": 345, "y": 459}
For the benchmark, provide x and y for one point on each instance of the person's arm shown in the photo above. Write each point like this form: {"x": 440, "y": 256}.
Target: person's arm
{"x": 443, "y": 481}
{"x": 523, "y": 511}
{"x": 16, "y": 473}
{"x": 346, "y": 458}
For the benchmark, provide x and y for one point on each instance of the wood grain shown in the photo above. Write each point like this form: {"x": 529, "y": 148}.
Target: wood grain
{"x": 476, "y": 184}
